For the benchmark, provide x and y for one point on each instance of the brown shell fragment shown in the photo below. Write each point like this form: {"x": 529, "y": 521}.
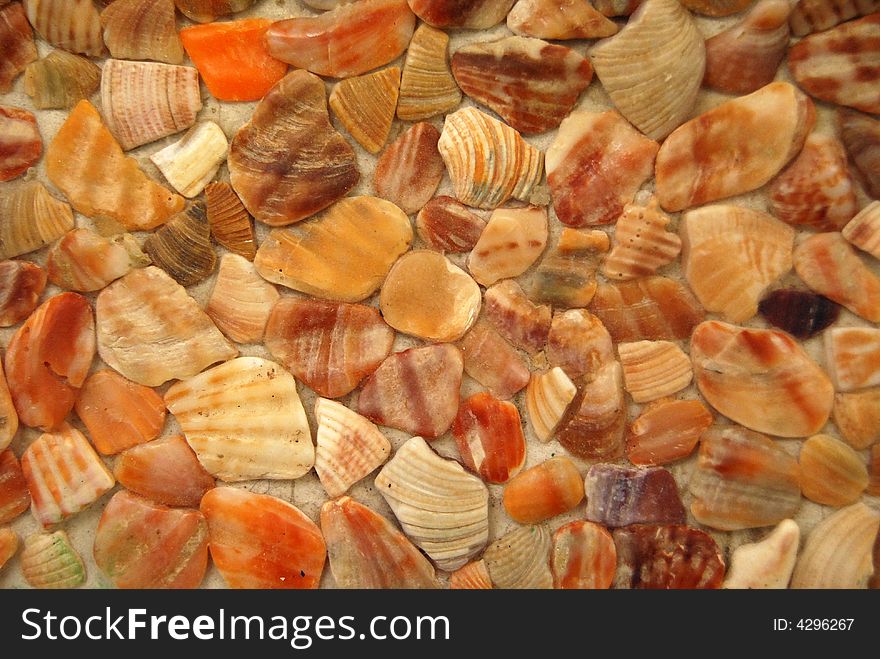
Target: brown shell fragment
{"x": 544, "y": 491}
{"x": 365, "y": 106}
{"x": 288, "y": 162}
{"x": 206, "y": 11}
{"x": 471, "y": 576}
{"x": 230, "y": 223}
{"x": 593, "y": 427}
{"x": 578, "y": 343}
{"x": 874, "y": 472}
{"x": 60, "y": 80}
{"x": 492, "y": 361}
{"x": 832, "y": 473}
{"x": 642, "y": 244}
{"x": 520, "y": 559}
{"x": 583, "y": 557}
{"x": 863, "y": 231}
{"x": 182, "y": 247}
{"x": 32, "y": 218}
{"x": 523, "y": 323}
{"x": 860, "y": 135}
{"x": 329, "y": 346}
{"x": 17, "y": 48}
{"x": 665, "y": 557}
{"x": 142, "y": 29}
{"x": 743, "y": 480}
{"x": 800, "y": 313}
{"x": 810, "y": 16}
{"x": 666, "y": 430}
{"x": 73, "y": 25}
{"x": 565, "y": 277}
{"x": 489, "y": 436}
{"x": 20, "y": 143}
{"x": 427, "y": 87}
{"x": 241, "y": 300}
{"x": 716, "y": 7}
{"x": 448, "y": 225}
{"x": 511, "y": 242}
{"x": 475, "y": 14}
{"x": 559, "y": 19}
{"x": 14, "y": 495}
{"x": 857, "y": 416}
{"x": 653, "y": 369}
{"x": 21, "y": 285}
{"x": 619, "y": 496}
{"x": 410, "y": 170}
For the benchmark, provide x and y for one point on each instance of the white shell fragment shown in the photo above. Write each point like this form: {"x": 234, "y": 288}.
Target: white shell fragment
{"x": 768, "y": 563}
{"x": 192, "y": 162}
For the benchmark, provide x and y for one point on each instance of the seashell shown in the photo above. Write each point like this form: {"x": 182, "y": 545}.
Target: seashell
{"x": 415, "y": 390}
{"x": 744, "y": 57}
{"x": 511, "y": 242}
{"x": 853, "y": 357}
{"x": 260, "y": 541}
{"x": 344, "y": 255}
{"x": 9, "y": 545}
{"x": 531, "y": 84}
{"x": 367, "y": 551}
{"x": 653, "y": 369}
{"x": 182, "y": 247}
{"x": 488, "y": 161}
{"x": 768, "y": 563}
{"x": 21, "y": 285}
{"x": 667, "y": 557}
{"x": 32, "y": 218}
{"x": 446, "y": 224}
{"x": 547, "y": 399}
{"x": 520, "y": 559}
{"x": 578, "y": 343}
{"x": 48, "y": 359}
{"x": 60, "y": 80}
{"x": 874, "y": 472}
{"x": 666, "y": 430}
{"x": 651, "y": 308}
{"x": 544, "y": 491}
{"x": 349, "y": 447}
{"x": 829, "y": 266}
{"x": 141, "y": 544}
{"x": 18, "y": 48}
{"x": 474, "y": 15}
{"x": 73, "y": 25}
{"x": 330, "y": 347}
{"x": 472, "y": 576}
{"x": 565, "y": 277}
{"x": 863, "y": 231}
{"x": 860, "y": 135}
{"x": 244, "y": 420}
{"x": 64, "y": 475}
{"x": 716, "y": 7}
{"x": 86, "y": 261}
{"x": 427, "y": 87}
{"x": 230, "y": 223}
{"x": 410, "y": 170}
{"x": 20, "y": 142}
{"x": 743, "y": 480}
{"x": 86, "y": 163}
{"x": 206, "y": 11}
{"x": 151, "y": 331}
{"x": 190, "y": 163}
{"x": 857, "y": 416}
{"x": 800, "y": 313}
{"x": 642, "y": 245}
{"x": 492, "y": 361}
{"x": 810, "y": 16}
{"x": 241, "y": 300}
{"x": 442, "y": 509}
{"x": 118, "y": 413}
{"x": 145, "y": 101}
{"x": 489, "y": 436}
{"x": 762, "y": 379}
{"x": 347, "y": 41}
{"x": 594, "y": 424}
{"x": 427, "y": 296}
{"x": 832, "y": 473}
{"x": 49, "y": 560}
{"x": 595, "y": 165}
{"x": 142, "y": 29}
{"x": 365, "y": 105}
{"x": 523, "y": 323}
{"x": 733, "y": 148}
{"x": 841, "y": 65}
{"x": 731, "y": 255}
{"x": 619, "y": 496}
{"x": 558, "y": 19}
{"x": 233, "y": 59}
{"x": 583, "y": 557}
{"x": 14, "y": 495}
{"x": 166, "y": 471}
{"x": 8, "y": 414}
{"x": 837, "y": 553}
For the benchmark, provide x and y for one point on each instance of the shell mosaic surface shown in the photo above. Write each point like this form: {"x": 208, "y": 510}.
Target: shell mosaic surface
{"x": 439, "y": 294}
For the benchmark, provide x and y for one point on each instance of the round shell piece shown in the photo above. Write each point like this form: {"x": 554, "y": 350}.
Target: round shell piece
{"x": 583, "y": 557}
{"x": 20, "y": 143}
{"x": 768, "y": 563}
{"x": 559, "y": 19}
{"x": 666, "y": 430}
{"x": 521, "y": 559}
{"x": 365, "y": 106}
{"x": 511, "y": 242}
{"x": 49, "y": 560}
{"x": 653, "y": 369}
{"x": 489, "y": 436}
{"x": 142, "y": 29}
{"x": 832, "y": 473}
{"x": 547, "y": 399}
{"x": 544, "y": 491}
{"x": 427, "y": 87}
{"x": 33, "y": 218}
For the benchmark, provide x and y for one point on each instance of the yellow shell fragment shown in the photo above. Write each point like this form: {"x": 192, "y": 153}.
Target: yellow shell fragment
{"x": 832, "y": 473}
{"x": 31, "y": 218}
{"x": 365, "y": 106}
{"x": 427, "y": 87}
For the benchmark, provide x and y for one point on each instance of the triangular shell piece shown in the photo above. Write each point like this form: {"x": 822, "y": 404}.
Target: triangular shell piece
{"x": 73, "y": 25}
{"x": 182, "y": 247}
{"x": 559, "y": 19}
{"x": 863, "y": 230}
{"x": 492, "y": 361}
{"x": 520, "y": 559}
{"x": 547, "y": 398}
{"x": 33, "y": 218}
{"x": 190, "y": 163}
{"x": 642, "y": 245}
{"x": 857, "y": 416}
{"x": 241, "y": 300}
{"x": 427, "y": 87}
{"x": 60, "y": 80}
{"x": 653, "y": 369}
{"x": 142, "y": 29}
{"x": 511, "y": 242}
{"x": 472, "y": 576}
{"x": 49, "y": 560}
{"x": 18, "y": 48}
{"x": 365, "y": 105}
{"x": 230, "y": 223}
{"x": 447, "y": 225}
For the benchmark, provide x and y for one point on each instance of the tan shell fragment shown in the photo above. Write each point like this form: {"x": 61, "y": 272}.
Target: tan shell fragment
{"x": 32, "y": 218}
{"x": 521, "y": 559}
{"x": 852, "y": 355}
{"x": 767, "y": 563}
{"x": 142, "y": 29}
{"x": 472, "y": 576}
{"x": 182, "y": 247}
{"x": 810, "y": 16}
{"x": 511, "y": 242}
{"x": 566, "y": 275}
{"x": 73, "y": 25}
{"x": 653, "y": 68}
{"x": 190, "y": 163}
{"x": 473, "y": 14}
{"x": 642, "y": 245}
{"x": 863, "y": 231}
{"x": 666, "y": 430}
{"x": 241, "y": 300}
{"x": 578, "y": 343}
{"x": 244, "y": 420}
{"x": 492, "y": 361}
{"x": 230, "y": 222}
{"x": 427, "y": 87}
{"x": 151, "y": 331}
{"x": 874, "y": 475}
{"x": 60, "y": 80}
{"x": 365, "y": 105}
{"x": 85, "y": 261}
{"x": 654, "y": 369}
{"x": 559, "y": 19}
{"x": 860, "y": 135}
{"x": 206, "y": 11}
{"x": 832, "y": 473}
{"x": 442, "y": 508}
{"x": 547, "y": 399}
{"x": 838, "y": 551}
{"x": 410, "y": 170}
{"x": 857, "y": 416}
{"x": 713, "y": 7}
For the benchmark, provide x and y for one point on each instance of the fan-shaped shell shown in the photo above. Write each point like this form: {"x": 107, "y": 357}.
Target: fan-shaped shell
{"x": 809, "y": 16}
{"x": 667, "y": 556}
{"x": 544, "y": 491}
{"x": 857, "y": 416}
{"x": 642, "y": 245}
{"x": 20, "y": 142}
{"x": 559, "y": 19}
{"x": 206, "y": 11}
{"x": 471, "y": 576}
{"x": 73, "y": 25}
{"x": 583, "y": 557}
{"x": 142, "y": 29}
{"x": 446, "y": 224}
{"x": 520, "y": 559}
{"x": 832, "y": 473}
{"x": 49, "y": 560}
{"x": 182, "y": 247}
{"x": 17, "y": 47}
{"x": 767, "y": 563}
{"x": 492, "y": 361}
{"x": 852, "y": 355}
{"x": 860, "y": 135}
{"x": 21, "y": 285}
{"x": 520, "y": 321}
{"x": 565, "y": 277}
{"x": 427, "y": 87}
{"x": 653, "y": 369}
{"x": 86, "y": 261}
{"x": 511, "y": 242}
{"x": 666, "y": 430}
{"x": 863, "y": 230}
{"x": 241, "y": 300}
{"x": 621, "y": 495}
{"x": 410, "y": 170}
{"x": 476, "y": 14}
{"x": 33, "y": 218}
{"x": 230, "y": 223}
{"x": 547, "y": 399}
{"x": 60, "y": 80}
{"x": 244, "y": 420}
{"x": 14, "y": 495}
{"x": 365, "y": 105}
{"x": 190, "y": 163}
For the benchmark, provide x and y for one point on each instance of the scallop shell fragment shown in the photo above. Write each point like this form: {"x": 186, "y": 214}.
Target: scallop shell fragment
{"x": 489, "y": 436}
{"x": 800, "y": 313}
{"x": 17, "y": 47}
{"x": 565, "y": 277}
{"x": 520, "y": 321}
{"x": 33, "y": 218}
{"x": 488, "y": 161}
{"x": 666, "y": 430}
{"x": 832, "y": 473}
{"x": 619, "y": 496}
{"x": 60, "y": 80}
{"x": 492, "y": 361}
{"x": 642, "y": 244}
{"x": 443, "y": 509}
{"x": 511, "y": 242}
{"x": 860, "y": 135}
{"x": 446, "y": 224}
{"x": 652, "y": 69}
{"x": 365, "y": 105}
{"x": 151, "y": 331}
{"x": 733, "y": 148}
{"x": 349, "y": 447}
{"x": 544, "y": 491}
{"x": 14, "y": 495}
{"x": 476, "y": 15}
{"x": 863, "y": 231}
{"x": 810, "y": 16}
{"x": 190, "y": 163}
{"x": 853, "y": 357}
{"x": 654, "y": 369}
{"x": 182, "y": 247}
{"x": 244, "y": 420}
{"x": 471, "y": 576}
{"x": 427, "y": 87}
{"x": 762, "y": 379}
{"x": 230, "y": 223}
{"x": 857, "y": 416}
{"x": 559, "y": 19}
{"x": 241, "y": 300}
{"x": 595, "y": 165}
{"x": 578, "y": 343}
{"x": 86, "y": 261}
{"x": 520, "y": 559}
{"x": 768, "y": 563}
{"x": 344, "y": 255}
{"x": 49, "y": 560}
{"x": 73, "y": 25}
{"x": 20, "y": 142}
{"x": 583, "y": 557}
{"x": 206, "y": 11}
{"x": 547, "y": 399}
{"x": 142, "y": 29}
{"x": 410, "y": 170}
